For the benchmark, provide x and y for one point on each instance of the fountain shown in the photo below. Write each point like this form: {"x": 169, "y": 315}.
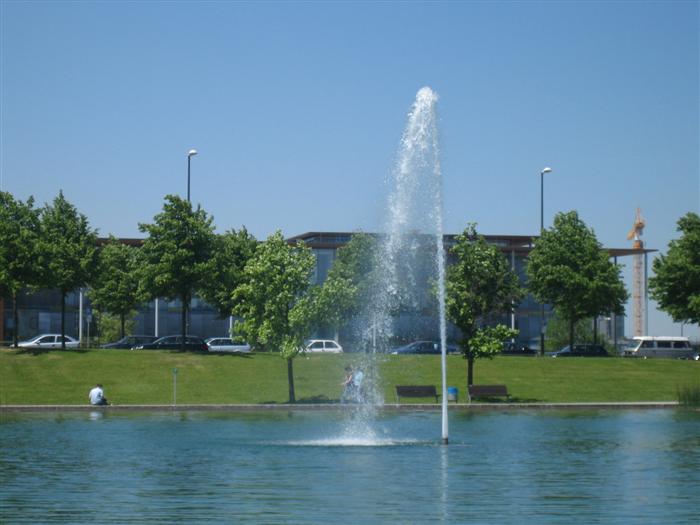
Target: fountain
{"x": 410, "y": 263}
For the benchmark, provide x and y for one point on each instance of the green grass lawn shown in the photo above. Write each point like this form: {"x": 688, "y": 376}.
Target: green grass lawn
{"x": 146, "y": 377}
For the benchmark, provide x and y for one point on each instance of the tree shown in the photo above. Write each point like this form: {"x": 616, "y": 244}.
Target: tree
{"x": 569, "y": 269}
{"x": 274, "y": 301}
{"x": 676, "y": 283}
{"x": 115, "y": 287}
{"x": 348, "y": 285}
{"x": 19, "y": 235}
{"x": 176, "y": 254}
{"x": 68, "y": 251}
{"x": 110, "y": 326}
{"x": 231, "y": 252}
{"x": 558, "y": 331}
{"x": 487, "y": 342}
{"x": 479, "y": 285}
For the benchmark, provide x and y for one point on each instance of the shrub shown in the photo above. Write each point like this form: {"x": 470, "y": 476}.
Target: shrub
{"x": 689, "y": 395}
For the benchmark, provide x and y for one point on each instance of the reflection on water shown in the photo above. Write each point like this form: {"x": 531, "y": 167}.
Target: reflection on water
{"x": 627, "y": 467}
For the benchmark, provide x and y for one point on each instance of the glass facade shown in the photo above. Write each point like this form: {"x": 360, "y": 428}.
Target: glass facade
{"x": 324, "y": 261}
{"x": 422, "y": 321}
{"x": 40, "y": 311}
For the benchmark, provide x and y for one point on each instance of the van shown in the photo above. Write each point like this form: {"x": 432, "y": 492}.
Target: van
{"x": 648, "y": 346}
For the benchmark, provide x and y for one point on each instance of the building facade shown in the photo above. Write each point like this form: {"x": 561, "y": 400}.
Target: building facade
{"x": 40, "y": 311}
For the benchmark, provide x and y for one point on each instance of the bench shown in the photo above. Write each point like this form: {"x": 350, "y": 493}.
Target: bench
{"x": 416, "y": 391}
{"x": 488, "y": 391}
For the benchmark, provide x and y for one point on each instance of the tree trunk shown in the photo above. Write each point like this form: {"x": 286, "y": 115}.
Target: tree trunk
{"x": 15, "y": 319}
{"x": 595, "y": 330}
{"x": 123, "y": 320}
{"x": 183, "y": 321}
{"x": 290, "y": 380}
{"x": 572, "y": 322}
{"x": 63, "y": 320}
{"x": 470, "y": 371}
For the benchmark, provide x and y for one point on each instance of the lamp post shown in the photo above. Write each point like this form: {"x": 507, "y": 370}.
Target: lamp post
{"x": 190, "y": 154}
{"x": 545, "y": 170}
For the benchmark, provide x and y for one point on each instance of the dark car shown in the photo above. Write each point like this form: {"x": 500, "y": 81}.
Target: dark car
{"x": 516, "y": 349}
{"x": 130, "y": 341}
{"x": 424, "y": 347}
{"x": 174, "y": 342}
{"x": 583, "y": 350}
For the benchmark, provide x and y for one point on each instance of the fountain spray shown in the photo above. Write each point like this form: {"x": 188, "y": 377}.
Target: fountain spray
{"x": 411, "y": 262}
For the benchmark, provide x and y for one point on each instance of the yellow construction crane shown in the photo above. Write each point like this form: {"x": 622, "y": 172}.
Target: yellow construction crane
{"x": 637, "y": 230}
{"x": 638, "y": 284}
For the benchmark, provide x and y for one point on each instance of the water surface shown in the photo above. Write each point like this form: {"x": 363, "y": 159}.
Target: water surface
{"x": 631, "y": 467}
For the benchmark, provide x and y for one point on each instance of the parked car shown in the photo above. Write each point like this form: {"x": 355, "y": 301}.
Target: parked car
{"x": 516, "y": 349}
{"x": 582, "y": 350}
{"x": 49, "y": 341}
{"x": 424, "y": 347}
{"x": 174, "y": 342}
{"x": 130, "y": 341}
{"x": 668, "y": 346}
{"x": 226, "y": 344}
{"x": 323, "y": 345}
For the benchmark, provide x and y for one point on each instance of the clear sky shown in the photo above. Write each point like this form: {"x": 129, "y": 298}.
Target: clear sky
{"x": 297, "y": 109}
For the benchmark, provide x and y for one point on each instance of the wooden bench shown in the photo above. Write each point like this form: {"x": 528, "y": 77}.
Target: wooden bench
{"x": 488, "y": 391}
{"x": 416, "y": 391}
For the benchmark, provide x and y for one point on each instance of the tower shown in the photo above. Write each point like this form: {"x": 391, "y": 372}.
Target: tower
{"x": 638, "y": 292}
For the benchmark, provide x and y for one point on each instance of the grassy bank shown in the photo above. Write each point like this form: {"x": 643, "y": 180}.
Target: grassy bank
{"x": 146, "y": 377}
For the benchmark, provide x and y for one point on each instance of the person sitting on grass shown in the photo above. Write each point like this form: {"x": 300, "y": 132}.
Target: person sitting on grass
{"x": 97, "y": 396}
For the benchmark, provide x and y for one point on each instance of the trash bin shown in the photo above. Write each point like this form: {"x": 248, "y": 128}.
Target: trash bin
{"x": 452, "y": 393}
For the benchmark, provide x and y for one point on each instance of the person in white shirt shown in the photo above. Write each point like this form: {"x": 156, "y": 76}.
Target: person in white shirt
{"x": 97, "y": 396}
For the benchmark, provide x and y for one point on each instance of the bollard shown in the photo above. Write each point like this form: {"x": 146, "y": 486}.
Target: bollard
{"x": 174, "y": 386}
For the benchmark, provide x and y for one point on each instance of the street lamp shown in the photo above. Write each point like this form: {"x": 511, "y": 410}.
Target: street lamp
{"x": 545, "y": 170}
{"x": 190, "y": 154}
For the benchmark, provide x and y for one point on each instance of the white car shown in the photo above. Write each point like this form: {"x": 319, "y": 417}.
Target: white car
{"x": 226, "y": 344}
{"x": 49, "y": 341}
{"x": 323, "y": 345}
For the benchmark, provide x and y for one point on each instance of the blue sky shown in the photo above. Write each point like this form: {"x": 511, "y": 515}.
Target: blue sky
{"x": 297, "y": 110}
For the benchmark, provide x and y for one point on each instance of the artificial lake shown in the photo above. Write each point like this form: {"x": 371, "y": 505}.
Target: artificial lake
{"x": 504, "y": 467}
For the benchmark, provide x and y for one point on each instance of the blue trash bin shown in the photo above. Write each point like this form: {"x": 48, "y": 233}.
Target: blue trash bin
{"x": 452, "y": 393}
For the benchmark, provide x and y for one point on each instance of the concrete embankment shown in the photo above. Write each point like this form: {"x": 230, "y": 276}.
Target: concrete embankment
{"x": 348, "y": 407}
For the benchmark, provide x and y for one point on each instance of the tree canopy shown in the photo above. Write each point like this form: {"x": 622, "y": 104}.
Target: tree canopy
{"x": 480, "y": 285}
{"x": 676, "y": 283}
{"x": 230, "y": 253}
{"x": 273, "y": 300}
{"x": 348, "y": 285}
{"x": 176, "y": 254}
{"x": 558, "y": 331}
{"x": 19, "y": 235}
{"x": 569, "y": 269}
{"x": 115, "y": 287}
{"x": 67, "y": 250}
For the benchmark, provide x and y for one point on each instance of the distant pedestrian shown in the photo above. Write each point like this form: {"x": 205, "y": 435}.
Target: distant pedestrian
{"x": 357, "y": 376}
{"x": 97, "y": 396}
{"x": 347, "y": 385}
{"x": 352, "y": 386}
